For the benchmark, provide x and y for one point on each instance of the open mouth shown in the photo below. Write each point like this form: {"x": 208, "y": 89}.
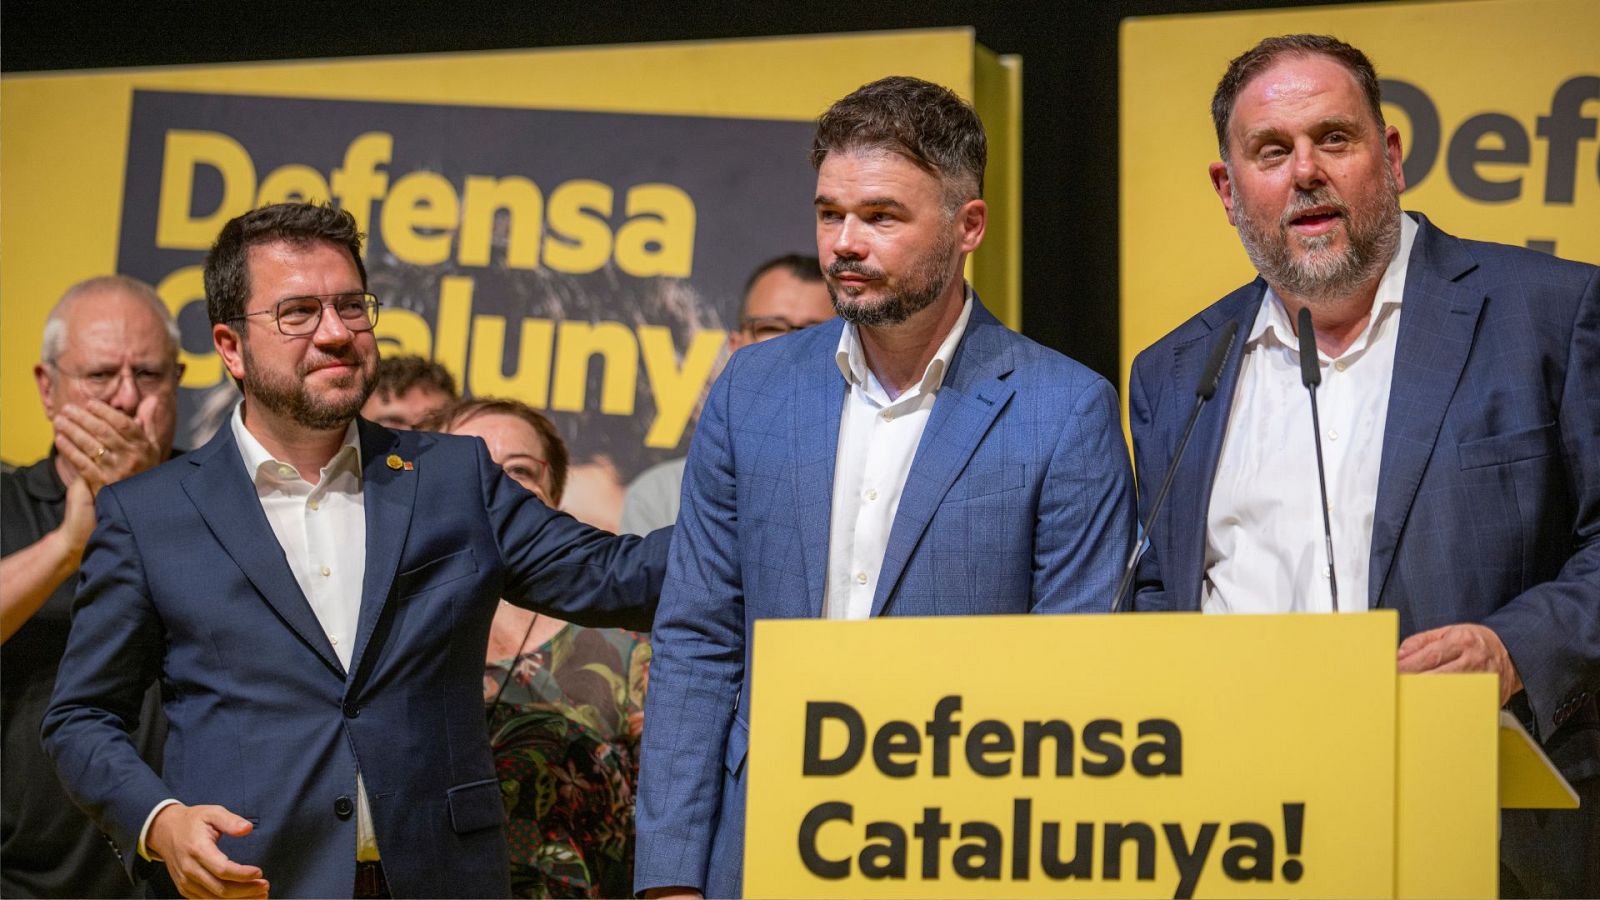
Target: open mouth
{"x": 1315, "y": 220}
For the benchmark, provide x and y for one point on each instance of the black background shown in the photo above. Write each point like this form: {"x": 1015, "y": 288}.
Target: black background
{"x": 1069, "y": 53}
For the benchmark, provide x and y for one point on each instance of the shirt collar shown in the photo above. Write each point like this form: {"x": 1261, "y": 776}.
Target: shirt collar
{"x": 853, "y": 361}
{"x": 261, "y": 464}
{"x": 1272, "y": 324}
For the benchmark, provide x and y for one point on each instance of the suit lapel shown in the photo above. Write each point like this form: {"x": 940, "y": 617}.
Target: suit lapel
{"x": 389, "y": 494}
{"x": 972, "y": 395}
{"x": 225, "y": 496}
{"x": 1437, "y": 322}
{"x": 820, "y": 393}
{"x": 1190, "y": 498}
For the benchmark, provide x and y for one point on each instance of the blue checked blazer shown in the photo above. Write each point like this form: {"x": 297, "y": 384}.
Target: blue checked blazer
{"x": 1488, "y": 503}
{"x": 185, "y": 582}
{"x": 1019, "y": 499}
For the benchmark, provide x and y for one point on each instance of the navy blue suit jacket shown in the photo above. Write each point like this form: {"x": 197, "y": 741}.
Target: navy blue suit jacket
{"x": 1488, "y": 504}
{"x": 1019, "y": 499}
{"x": 185, "y": 582}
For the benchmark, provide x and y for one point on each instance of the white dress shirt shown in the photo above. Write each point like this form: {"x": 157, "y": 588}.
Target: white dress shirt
{"x": 322, "y": 529}
{"x": 878, "y": 439}
{"x": 1264, "y": 541}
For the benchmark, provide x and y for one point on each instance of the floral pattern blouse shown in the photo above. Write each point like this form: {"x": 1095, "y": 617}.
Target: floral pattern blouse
{"x": 565, "y": 735}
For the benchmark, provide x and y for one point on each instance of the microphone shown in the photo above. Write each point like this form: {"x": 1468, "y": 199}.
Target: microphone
{"x": 1210, "y": 378}
{"x": 1311, "y": 376}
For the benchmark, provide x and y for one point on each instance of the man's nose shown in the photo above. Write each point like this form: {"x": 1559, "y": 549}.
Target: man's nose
{"x": 1307, "y": 167}
{"x": 847, "y": 241}
{"x": 331, "y": 329}
{"x": 125, "y": 394}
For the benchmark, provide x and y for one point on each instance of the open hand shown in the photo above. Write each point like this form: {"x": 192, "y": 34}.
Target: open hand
{"x": 185, "y": 838}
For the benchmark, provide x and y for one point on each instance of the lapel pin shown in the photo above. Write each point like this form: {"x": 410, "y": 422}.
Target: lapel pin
{"x": 395, "y": 462}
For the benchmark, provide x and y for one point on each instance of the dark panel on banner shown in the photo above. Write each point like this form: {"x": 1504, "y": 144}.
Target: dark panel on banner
{"x": 583, "y": 233}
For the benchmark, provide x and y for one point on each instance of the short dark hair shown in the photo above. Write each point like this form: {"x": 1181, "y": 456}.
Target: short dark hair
{"x": 805, "y": 268}
{"x": 921, "y": 121}
{"x": 227, "y": 272}
{"x": 399, "y": 374}
{"x": 1262, "y": 56}
{"x": 555, "y": 448}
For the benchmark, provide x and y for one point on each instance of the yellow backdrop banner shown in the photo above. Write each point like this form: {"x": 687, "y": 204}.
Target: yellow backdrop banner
{"x": 570, "y": 227}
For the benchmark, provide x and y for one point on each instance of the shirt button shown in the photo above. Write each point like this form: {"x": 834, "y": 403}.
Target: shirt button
{"x": 888, "y": 417}
{"x": 326, "y": 571}
{"x": 313, "y": 505}
{"x": 861, "y": 578}
{"x": 1341, "y": 365}
{"x": 872, "y": 493}
{"x": 1324, "y": 574}
{"x": 333, "y": 639}
{"x": 1333, "y": 435}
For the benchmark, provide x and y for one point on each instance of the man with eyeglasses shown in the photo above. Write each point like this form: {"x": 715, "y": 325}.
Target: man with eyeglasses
{"x": 314, "y": 593}
{"x": 783, "y": 295}
{"x": 108, "y": 380}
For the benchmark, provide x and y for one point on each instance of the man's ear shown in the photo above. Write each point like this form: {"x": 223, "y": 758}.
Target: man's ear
{"x": 973, "y": 220}
{"x": 1222, "y": 183}
{"x": 46, "y": 383}
{"x": 230, "y": 346}
{"x": 1391, "y": 141}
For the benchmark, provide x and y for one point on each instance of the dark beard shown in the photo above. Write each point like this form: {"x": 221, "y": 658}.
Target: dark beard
{"x": 289, "y": 398}
{"x": 1373, "y": 233}
{"x": 927, "y": 280}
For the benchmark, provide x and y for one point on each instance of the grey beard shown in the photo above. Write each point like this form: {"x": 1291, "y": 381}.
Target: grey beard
{"x": 1323, "y": 275}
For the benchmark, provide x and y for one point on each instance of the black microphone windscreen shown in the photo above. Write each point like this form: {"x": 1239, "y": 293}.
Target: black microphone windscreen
{"x": 1310, "y": 366}
{"x": 1219, "y": 355}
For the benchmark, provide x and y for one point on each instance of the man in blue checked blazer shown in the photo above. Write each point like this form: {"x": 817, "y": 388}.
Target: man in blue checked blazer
{"x": 912, "y": 458}
{"x": 1460, "y": 423}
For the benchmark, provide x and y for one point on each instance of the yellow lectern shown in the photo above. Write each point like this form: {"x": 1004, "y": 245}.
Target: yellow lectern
{"x": 1179, "y": 755}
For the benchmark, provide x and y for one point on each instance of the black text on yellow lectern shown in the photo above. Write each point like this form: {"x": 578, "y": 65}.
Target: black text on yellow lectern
{"x": 1178, "y": 755}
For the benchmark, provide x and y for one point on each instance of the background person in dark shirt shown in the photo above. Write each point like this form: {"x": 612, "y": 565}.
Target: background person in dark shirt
{"x": 108, "y": 378}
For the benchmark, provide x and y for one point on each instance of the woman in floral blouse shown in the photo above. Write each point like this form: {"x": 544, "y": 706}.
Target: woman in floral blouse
{"x": 565, "y": 704}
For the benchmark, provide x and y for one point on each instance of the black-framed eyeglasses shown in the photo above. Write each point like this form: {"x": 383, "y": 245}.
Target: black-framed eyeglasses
{"x": 300, "y": 316}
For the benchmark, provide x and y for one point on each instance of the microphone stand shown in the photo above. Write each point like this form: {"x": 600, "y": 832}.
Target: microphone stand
{"x": 1311, "y": 376}
{"x": 1207, "y": 388}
